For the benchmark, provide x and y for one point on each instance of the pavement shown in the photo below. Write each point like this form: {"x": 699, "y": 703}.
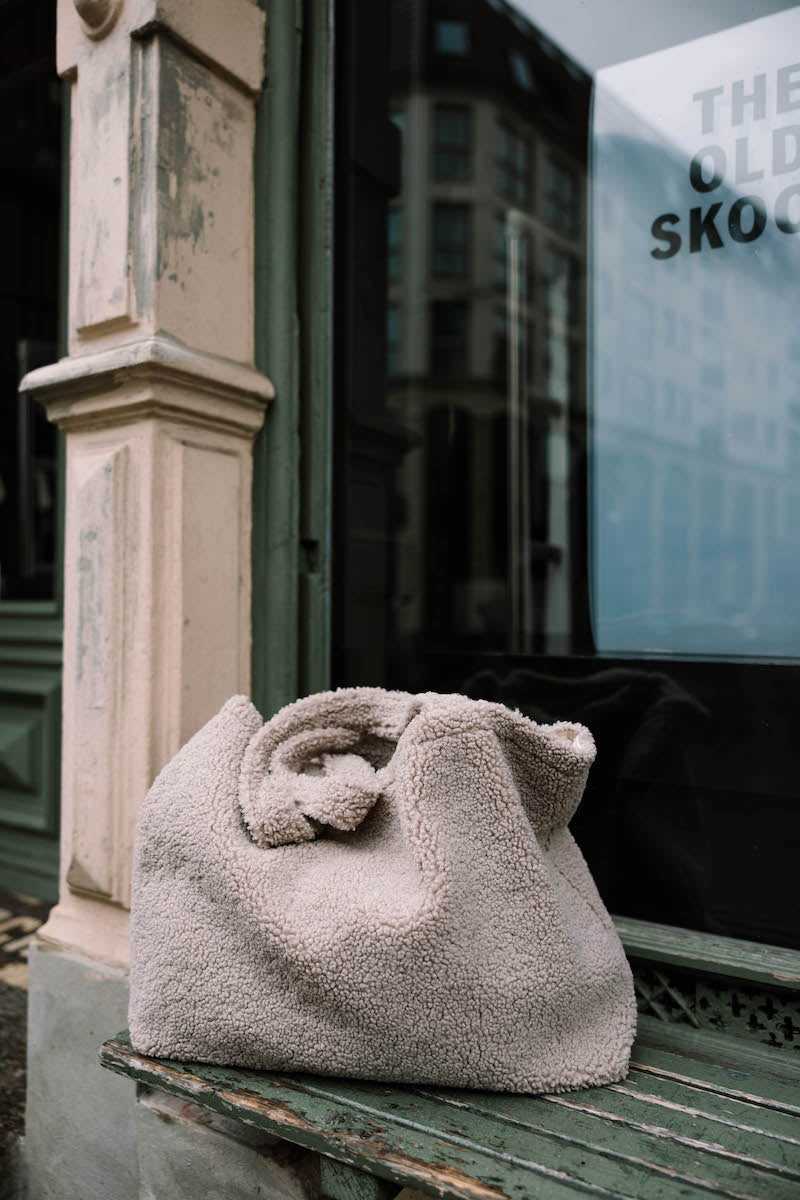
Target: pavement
{"x": 20, "y": 917}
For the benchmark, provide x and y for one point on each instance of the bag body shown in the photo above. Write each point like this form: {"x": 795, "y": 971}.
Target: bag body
{"x": 377, "y": 885}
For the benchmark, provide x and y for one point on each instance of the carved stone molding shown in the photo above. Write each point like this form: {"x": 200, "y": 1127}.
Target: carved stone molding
{"x": 98, "y": 17}
{"x": 152, "y": 377}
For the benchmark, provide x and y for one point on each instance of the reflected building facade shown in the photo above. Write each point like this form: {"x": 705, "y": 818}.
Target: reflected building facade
{"x": 486, "y": 328}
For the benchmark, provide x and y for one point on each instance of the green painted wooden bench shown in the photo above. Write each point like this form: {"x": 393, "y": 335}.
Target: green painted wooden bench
{"x": 701, "y": 1112}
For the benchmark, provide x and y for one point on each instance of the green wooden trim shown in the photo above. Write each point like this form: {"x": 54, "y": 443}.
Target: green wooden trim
{"x": 276, "y": 482}
{"x": 316, "y": 307}
{"x": 731, "y": 958}
{"x": 29, "y": 863}
{"x": 293, "y": 290}
{"x": 63, "y": 327}
{"x": 29, "y": 608}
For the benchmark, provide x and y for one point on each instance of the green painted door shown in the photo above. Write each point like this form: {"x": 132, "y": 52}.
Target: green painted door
{"x": 31, "y": 451}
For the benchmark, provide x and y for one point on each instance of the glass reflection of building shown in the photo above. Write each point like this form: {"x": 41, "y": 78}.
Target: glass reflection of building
{"x": 485, "y": 328}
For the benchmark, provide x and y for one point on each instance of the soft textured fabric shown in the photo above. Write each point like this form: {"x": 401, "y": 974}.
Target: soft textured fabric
{"x": 379, "y": 885}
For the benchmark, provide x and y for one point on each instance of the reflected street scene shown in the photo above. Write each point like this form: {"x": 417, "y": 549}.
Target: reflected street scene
{"x": 569, "y": 412}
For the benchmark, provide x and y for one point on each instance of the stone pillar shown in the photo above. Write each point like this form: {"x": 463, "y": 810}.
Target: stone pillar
{"x": 160, "y": 403}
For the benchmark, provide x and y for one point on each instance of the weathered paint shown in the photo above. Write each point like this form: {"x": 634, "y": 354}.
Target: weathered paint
{"x": 718, "y": 1137}
{"x": 203, "y": 276}
{"x": 163, "y": 126}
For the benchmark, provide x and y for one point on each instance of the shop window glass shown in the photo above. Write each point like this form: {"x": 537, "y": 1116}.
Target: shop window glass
{"x": 452, "y": 144}
{"x": 584, "y": 480}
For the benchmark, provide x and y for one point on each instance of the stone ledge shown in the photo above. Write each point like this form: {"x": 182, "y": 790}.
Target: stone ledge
{"x": 152, "y": 377}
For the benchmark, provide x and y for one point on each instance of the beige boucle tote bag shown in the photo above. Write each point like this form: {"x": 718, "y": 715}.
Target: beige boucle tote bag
{"x": 379, "y": 885}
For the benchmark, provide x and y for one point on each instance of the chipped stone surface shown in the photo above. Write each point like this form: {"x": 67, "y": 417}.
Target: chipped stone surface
{"x": 161, "y": 204}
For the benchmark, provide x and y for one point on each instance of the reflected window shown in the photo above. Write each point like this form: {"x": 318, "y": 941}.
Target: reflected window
{"x": 395, "y": 244}
{"x": 500, "y": 260}
{"x": 452, "y": 37}
{"x": 558, "y": 367}
{"x": 513, "y": 165}
{"x": 560, "y": 197}
{"x": 393, "y": 339}
{"x": 560, "y": 286}
{"x": 500, "y": 346}
{"x": 450, "y": 240}
{"x": 449, "y": 337}
{"x": 521, "y": 71}
{"x": 452, "y": 141}
{"x": 522, "y": 347}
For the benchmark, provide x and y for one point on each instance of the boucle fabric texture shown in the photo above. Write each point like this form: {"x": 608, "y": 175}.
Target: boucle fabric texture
{"x": 378, "y": 885}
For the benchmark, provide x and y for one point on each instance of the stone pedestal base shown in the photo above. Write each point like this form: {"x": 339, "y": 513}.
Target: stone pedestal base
{"x": 80, "y": 1130}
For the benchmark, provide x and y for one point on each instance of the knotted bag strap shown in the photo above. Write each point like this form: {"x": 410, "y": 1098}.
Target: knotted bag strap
{"x": 301, "y": 771}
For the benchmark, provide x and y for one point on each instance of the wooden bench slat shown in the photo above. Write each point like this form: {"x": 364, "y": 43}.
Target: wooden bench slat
{"x": 531, "y": 1130}
{"x": 744, "y": 1084}
{"x": 695, "y": 1153}
{"x": 680, "y": 1121}
{"x": 779, "y": 1064}
{"x": 676, "y": 1128}
{"x": 744, "y": 1113}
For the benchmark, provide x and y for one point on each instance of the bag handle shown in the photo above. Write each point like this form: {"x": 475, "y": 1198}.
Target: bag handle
{"x": 313, "y": 781}
{"x": 299, "y": 770}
